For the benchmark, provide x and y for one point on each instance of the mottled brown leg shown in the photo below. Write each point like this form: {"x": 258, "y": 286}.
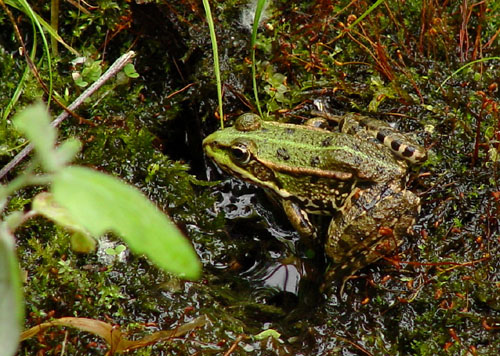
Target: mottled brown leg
{"x": 372, "y": 228}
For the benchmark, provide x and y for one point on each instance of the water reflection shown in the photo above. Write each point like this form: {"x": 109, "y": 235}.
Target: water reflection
{"x": 283, "y": 277}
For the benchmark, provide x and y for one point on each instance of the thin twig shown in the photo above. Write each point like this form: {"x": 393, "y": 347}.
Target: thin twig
{"x": 359, "y": 347}
{"x": 234, "y": 345}
{"x": 112, "y": 71}
{"x": 180, "y": 90}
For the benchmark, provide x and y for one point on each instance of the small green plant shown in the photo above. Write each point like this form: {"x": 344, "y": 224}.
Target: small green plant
{"x": 88, "y": 203}
{"x": 91, "y": 71}
{"x": 116, "y": 250}
{"x": 277, "y": 90}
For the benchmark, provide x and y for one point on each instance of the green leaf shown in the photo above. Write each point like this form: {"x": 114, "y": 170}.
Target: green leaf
{"x": 11, "y": 302}
{"x": 79, "y": 81}
{"x": 268, "y": 333}
{"x": 14, "y": 220}
{"x": 102, "y": 203}
{"x": 277, "y": 80}
{"x": 92, "y": 72}
{"x": 81, "y": 241}
{"x": 115, "y": 251}
{"x": 34, "y": 123}
{"x": 129, "y": 70}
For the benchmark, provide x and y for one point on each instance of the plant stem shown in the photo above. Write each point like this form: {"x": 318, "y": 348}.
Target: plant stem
{"x": 255, "y": 27}
{"x": 115, "y": 68}
{"x": 215, "y": 53}
{"x": 54, "y": 21}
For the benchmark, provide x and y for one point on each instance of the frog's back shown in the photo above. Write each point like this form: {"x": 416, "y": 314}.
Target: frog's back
{"x": 328, "y": 153}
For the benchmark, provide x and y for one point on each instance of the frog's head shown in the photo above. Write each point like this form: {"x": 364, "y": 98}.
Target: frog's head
{"x": 234, "y": 149}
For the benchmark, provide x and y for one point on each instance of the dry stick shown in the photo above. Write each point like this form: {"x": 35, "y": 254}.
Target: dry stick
{"x": 115, "y": 68}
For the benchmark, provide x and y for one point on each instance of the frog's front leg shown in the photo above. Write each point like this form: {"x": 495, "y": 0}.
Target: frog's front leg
{"x": 371, "y": 227}
{"x": 298, "y": 218}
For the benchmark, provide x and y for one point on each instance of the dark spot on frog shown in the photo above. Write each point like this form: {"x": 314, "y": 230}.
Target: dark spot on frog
{"x": 315, "y": 161}
{"x": 289, "y": 131}
{"x": 343, "y": 246}
{"x": 395, "y": 145}
{"x": 380, "y": 136}
{"x": 283, "y": 154}
{"x": 327, "y": 142}
{"x": 409, "y": 151}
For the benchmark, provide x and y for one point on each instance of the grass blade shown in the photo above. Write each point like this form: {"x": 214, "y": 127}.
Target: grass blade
{"x": 215, "y": 52}
{"x": 465, "y": 66}
{"x": 366, "y": 13}
{"x": 16, "y": 4}
{"x": 255, "y": 27}
{"x": 33, "y": 17}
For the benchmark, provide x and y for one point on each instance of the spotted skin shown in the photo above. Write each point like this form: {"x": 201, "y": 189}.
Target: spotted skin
{"x": 401, "y": 145}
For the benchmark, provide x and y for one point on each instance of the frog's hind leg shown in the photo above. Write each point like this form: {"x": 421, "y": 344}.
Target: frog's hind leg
{"x": 371, "y": 228}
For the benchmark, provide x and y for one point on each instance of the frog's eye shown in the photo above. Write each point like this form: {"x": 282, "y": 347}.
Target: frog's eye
{"x": 240, "y": 152}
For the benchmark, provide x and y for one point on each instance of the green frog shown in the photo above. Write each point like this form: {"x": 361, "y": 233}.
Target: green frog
{"x": 356, "y": 174}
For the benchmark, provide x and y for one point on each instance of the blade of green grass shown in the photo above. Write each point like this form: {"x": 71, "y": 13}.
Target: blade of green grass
{"x": 215, "y": 52}
{"x": 33, "y": 17}
{"x": 255, "y": 27}
{"x": 54, "y": 23}
{"x": 15, "y": 4}
{"x": 366, "y": 13}
{"x": 19, "y": 87}
{"x": 465, "y": 66}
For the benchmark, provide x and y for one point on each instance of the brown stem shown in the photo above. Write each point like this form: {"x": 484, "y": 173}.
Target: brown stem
{"x": 54, "y": 22}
